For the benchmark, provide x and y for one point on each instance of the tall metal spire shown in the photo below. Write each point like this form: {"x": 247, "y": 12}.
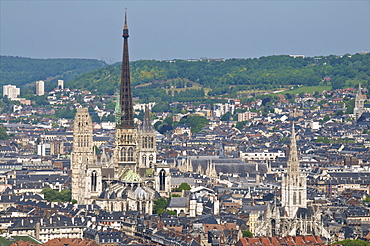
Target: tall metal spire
{"x": 127, "y": 116}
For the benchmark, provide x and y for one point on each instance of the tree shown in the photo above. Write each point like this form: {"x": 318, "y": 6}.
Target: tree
{"x": 349, "y": 242}
{"x": 55, "y": 196}
{"x": 195, "y": 122}
{"x": 159, "y": 206}
{"x": 184, "y": 186}
{"x": 366, "y": 199}
{"x": 226, "y": 117}
{"x": 3, "y": 134}
{"x": 326, "y": 118}
{"x": 171, "y": 212}
{"x": 247, "y": 233}
{"x": 350, "y": 106}
{"x": 339, "y": 113}
{"x": 240, "y": 125}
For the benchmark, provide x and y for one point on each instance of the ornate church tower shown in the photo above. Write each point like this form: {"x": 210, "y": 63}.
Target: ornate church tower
{"x": 125, "y": 151}
{"x": 147, "y": 142}
{"x": 86, "y": 173}
{"x": 359, "y": 103}
{"x": 294, "y": 186}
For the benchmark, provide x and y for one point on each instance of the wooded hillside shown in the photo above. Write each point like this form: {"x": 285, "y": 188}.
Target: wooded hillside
{"x": 182, "y": 79}
{"x": 20, "y": 70}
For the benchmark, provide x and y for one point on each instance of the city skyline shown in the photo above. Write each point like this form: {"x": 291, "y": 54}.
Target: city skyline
{"x": 165, "y": 30}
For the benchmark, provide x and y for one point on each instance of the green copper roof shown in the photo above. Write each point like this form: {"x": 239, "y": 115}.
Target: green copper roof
{"x": 131, "y": 176}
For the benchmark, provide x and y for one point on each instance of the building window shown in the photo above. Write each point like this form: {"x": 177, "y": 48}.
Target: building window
{"x": 162, "y": 179}
{"x": 130, "y": 154}
{"x": 123, "y": 154}
{"x": 93, "y": 181}
{"x": 144, "y": 160}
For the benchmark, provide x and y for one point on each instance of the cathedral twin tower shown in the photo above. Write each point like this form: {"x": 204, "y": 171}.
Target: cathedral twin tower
{"x": 114, "y": 182}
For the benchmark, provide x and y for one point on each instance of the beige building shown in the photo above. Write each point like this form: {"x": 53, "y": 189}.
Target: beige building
{"x": 40, "y": 88}
{"x": 246, "y": 116}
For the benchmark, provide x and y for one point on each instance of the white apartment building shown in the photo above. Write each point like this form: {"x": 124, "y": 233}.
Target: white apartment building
{"x": 40, "y": 88}
{"x": 220, "y": 109}
{"x": 60, "y": 84}
{"x": 11, "y": 91}
{"x": 261, "y": 156}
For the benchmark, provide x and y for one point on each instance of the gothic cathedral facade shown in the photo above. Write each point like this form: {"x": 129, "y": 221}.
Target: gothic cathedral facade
{"x": 131, "y": 178}
{"x": 293, "y": 217}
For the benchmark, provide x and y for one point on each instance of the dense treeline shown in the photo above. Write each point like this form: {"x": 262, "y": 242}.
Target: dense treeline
{"x": 258, "y": 73}
{"x": 20, "y": 70}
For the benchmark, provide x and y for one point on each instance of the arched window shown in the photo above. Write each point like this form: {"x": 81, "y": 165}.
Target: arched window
{"x": 130, "y": 156}
{"x": 162, "y": 179}
{"x": 93, "y": 181}
{"x": 151, "y": 158}
{"x": 151, "y": 142}
{"x": 144, "y": 160}
{"x": 123, "y": 154}
{"x": 294, "y": 198}
{"x": 273, "y": 227}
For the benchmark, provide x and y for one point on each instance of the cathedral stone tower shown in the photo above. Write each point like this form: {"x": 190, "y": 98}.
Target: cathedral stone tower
{"x": 147, "y": 143}
{"x": 294, "y": 185}
{"x": 162, "y": 179}
{"x": 125, "y": 152}
{"x": 359, "y": 104}
{"x": 86, "y": 173}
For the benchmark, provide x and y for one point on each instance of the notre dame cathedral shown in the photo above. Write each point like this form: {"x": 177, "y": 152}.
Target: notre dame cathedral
{"x": 294, "y": 217}
{"x": 130, "y": 179}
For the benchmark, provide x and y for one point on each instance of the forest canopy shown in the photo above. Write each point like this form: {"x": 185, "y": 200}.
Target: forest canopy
{"x": 184, "y": 80}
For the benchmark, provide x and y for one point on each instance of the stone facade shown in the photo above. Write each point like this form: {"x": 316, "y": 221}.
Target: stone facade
{"x": 86, "y": 172}
{"x": 359, "y": 104}
{"x": 125, "y": 181}
{"x": 293, "y": 217}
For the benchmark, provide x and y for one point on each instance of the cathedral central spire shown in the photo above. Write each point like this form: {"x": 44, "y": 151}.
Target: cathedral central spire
{"x": 127, "y": 116}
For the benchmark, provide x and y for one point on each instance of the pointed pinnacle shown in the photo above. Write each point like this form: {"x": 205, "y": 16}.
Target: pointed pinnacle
{"x": 125, "y": 27}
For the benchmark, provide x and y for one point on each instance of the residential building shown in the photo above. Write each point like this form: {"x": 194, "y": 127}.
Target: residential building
{"x": 40, "y": 88}
{"x": 11, "y": 91}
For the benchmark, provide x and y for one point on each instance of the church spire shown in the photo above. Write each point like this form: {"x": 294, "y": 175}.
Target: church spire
{"x": 127, "y": 116}
{"x": 293, "y": 163}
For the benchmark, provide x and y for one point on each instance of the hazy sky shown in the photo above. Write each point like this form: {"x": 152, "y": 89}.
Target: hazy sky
{"x": 183, "y": 29}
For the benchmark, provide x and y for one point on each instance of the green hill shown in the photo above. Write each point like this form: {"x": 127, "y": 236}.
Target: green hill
{"x": 186, "y": 80}
{"x": 20, "y": 71}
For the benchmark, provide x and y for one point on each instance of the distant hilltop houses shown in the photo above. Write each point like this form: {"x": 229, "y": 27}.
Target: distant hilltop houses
{"x": 218, "y": 59}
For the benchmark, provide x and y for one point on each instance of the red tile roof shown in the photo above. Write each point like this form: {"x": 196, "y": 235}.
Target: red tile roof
{"x": 275, "y": 241}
